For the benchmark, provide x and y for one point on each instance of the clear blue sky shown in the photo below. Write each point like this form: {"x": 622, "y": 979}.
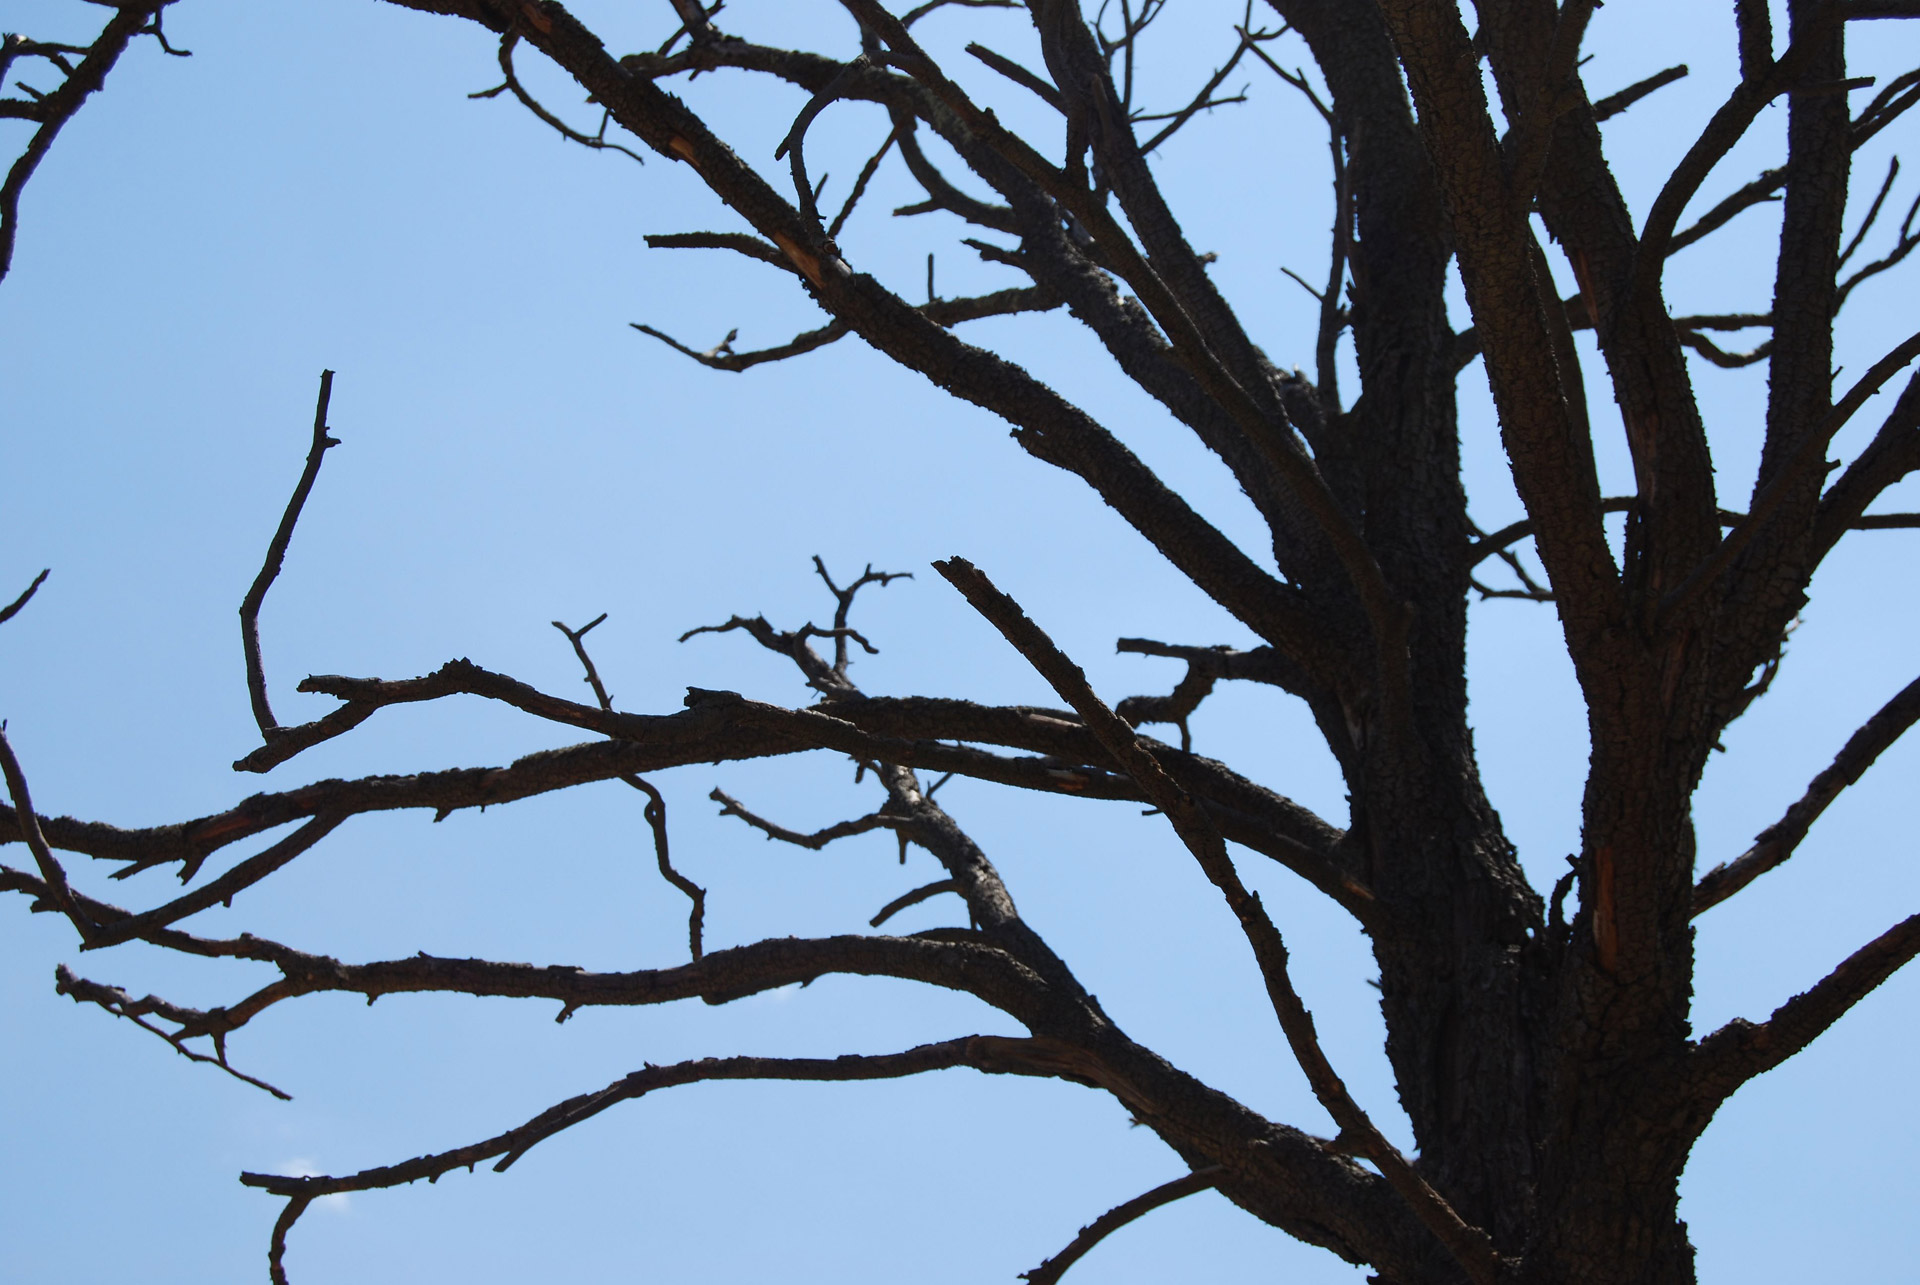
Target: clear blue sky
{"x": 312, "y": 188}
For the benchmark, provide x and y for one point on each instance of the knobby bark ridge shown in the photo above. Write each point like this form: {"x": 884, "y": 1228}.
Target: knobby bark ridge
{"x": 1545, "y": 1059}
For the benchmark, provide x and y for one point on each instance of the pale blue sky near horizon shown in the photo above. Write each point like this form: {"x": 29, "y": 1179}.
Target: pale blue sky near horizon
{"x": 314, "y": 189}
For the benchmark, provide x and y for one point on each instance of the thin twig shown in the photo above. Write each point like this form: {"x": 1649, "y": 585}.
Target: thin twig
{"x": 732, "y": 807}
{"x": 192, "y": 1023}
{"x": 655, "y": 811}
{"x": 270, "y": 728}
{"x": 512, "y": 83}
{"x": 1773, "y": 845}
{"x": 867, "y": 172}
{"x": 1116, "y": 1218}
{"x": 926, "y": 892}
{"x": 55, "y": 875}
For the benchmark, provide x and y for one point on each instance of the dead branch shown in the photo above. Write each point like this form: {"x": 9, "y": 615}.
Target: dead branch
{"x": 52, "y": 110}
{"x": 270, "y": 729}
{"x": 867, "y": 171}
{"x": 1019, "y": 75}
{"x": 732, "y": 807}
{"x": 1613, "y": 104}
{"x": 1116, "y": 1218}
{"x": 1740, "y": 1050}
{"x": 925, "y": 892}
{"x": 190, "y": 1023}
{"x": 945, "y": 312}
{"x": 1812, "y": 448}
{"x": 1469, "y": 1245}
{"x": 739, "y": 242}
{"x": 596, "y": 142}
{"x": 1773, "y": 845}
{"x": 12, "y": 609}
{"x": 655, "y": 811}
{"x": 506, "y": 1148}
{"x": 57, "y": 892}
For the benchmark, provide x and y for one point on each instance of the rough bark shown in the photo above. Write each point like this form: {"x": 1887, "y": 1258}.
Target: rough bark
{"x": 1547, "y": 1063}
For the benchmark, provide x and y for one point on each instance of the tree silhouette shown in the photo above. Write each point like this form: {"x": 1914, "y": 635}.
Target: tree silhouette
{"x": 1540, "y": 1038}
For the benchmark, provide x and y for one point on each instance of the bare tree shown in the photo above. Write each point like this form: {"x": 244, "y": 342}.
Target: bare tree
{"x": 1544, "y": 1055}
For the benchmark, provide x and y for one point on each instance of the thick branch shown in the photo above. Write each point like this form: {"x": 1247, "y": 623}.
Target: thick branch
{"x": 53, "y": 110}
{"x": 12, "y": 609}
{"x": 1469, "y": 1245}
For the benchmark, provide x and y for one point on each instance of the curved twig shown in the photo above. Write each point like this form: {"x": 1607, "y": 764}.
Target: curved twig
{"x": 1116, "y": 1218}
{"x": 656, "y": 810}
{"x": 512, "y": 83}
{"x": 925, "y": 892}
{"x": 270, "y": 729}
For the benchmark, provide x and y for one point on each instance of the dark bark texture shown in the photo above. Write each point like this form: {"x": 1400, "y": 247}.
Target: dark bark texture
{"x": 1546, "y": 1059}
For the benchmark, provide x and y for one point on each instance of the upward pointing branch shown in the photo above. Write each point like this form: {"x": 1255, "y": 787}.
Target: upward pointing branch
{"x": 12, "y": 609}
{"x": 276, "y": 554}
{"x": 1776, "y": 843}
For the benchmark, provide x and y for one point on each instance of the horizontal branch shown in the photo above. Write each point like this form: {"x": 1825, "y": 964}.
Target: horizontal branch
{"x": 963, "y": 964}
{"x": 819, "y": 839}
{"x": 914, "y": 732}
{"x": 945, "y": 312}
{"x": 739, "y": 242}
{"x": 984, "y": 1053}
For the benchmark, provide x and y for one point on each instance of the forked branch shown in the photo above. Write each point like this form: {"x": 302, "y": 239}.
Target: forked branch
{"x": 52, "y": 110}
{"x": 188, "y": 1023}
{"x": 597, "y": 142}
{"x": 1469, "y": 1245}
{"x": 818, "y": 839}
